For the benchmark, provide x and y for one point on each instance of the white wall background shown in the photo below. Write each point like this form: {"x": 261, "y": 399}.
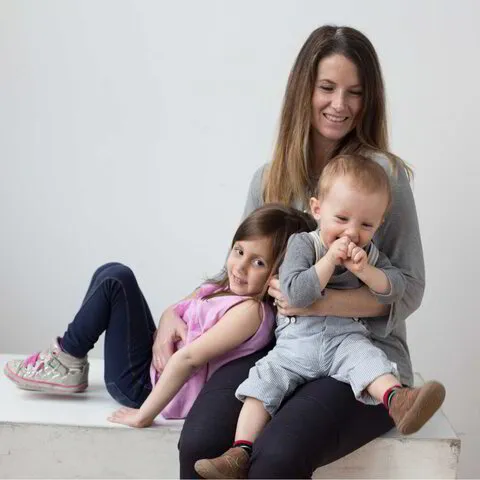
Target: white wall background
{"x": 129, "y": 131}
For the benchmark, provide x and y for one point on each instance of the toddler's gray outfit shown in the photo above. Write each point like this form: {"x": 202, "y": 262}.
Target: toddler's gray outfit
{"x": 311, "y": 347}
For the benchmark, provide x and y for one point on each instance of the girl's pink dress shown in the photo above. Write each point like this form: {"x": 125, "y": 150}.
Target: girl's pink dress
{"x": 200, "y": 315}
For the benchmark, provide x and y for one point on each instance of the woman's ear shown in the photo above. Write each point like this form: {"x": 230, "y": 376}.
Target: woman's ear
{"x": 315, "y": 208}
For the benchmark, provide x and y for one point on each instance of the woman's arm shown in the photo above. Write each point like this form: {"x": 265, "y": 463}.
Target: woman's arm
{"x": 399, "y": 239}
{"x": 336, "y": 303}
{"x": 234, "y": 328}
{"x": 352, "y": 303}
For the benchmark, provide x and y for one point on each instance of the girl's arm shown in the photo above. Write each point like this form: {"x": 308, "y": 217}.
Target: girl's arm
{"x": 234, "y": 328}
{"x": 171, "y": 329}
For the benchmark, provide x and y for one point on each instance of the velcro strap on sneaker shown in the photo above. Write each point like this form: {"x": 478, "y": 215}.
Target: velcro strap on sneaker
{"x": 56, "y": 365}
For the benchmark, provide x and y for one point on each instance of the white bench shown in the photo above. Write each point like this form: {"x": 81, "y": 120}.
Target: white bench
{"x": 46, "y": 436}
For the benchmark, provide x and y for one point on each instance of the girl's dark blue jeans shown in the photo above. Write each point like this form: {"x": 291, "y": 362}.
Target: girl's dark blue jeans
{"x": 114, "y": 304}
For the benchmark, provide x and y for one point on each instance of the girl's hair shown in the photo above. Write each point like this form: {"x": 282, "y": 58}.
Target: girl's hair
{"x": 366, "y": 175}
{"x": 276, "y": 222}
{"x": 291, "y": 175}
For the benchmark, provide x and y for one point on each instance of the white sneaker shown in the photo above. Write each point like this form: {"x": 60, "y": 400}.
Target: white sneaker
{"x": 51, "y": 370}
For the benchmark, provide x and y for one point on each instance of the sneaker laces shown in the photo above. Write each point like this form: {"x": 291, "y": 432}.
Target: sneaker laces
{"x": 32, "y": 360}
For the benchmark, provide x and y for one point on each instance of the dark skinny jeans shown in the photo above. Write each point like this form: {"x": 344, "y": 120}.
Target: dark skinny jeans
{"x": 114, "y": 304}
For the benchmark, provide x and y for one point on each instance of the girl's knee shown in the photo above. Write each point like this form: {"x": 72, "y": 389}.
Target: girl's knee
{"x": 118, "y": 395}
{"x": 115, "y": 270}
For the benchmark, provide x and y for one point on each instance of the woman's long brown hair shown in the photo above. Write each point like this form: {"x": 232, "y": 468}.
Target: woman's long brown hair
{"x": 292, "y": 174}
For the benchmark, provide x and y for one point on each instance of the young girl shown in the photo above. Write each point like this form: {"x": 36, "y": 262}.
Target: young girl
{"x": 226, "y": 318}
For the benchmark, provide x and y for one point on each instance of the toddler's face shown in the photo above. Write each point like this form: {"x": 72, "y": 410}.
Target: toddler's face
{"x": 248, "y": 266}
{"x": 348, "y": 211}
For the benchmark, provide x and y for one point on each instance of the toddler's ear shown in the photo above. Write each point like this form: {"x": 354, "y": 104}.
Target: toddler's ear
{"x": 315, "y": 208}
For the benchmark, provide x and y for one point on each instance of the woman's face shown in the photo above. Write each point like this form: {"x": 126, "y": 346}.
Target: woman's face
{"x": 337, "y": 98}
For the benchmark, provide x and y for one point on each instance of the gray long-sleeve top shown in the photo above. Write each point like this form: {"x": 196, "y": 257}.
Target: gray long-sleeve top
{"x": 300, "y": 284}
{"x": 399, "y": 239}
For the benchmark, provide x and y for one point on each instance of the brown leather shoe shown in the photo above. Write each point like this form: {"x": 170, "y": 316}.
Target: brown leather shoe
{"x": 411, "y": 408}
{"x": 233, "y": 463}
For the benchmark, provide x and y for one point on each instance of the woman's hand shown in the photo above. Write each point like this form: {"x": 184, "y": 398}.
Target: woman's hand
{"x": 130, "y": 417}
{"x": 274, "y": 291}
{"x": 171, "y": 329}
{"x": 281, "y": 302}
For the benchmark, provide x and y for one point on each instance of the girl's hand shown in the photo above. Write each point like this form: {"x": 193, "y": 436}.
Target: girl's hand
{"x": 171, "y": 329}
{"x": 357, "y": 259}
{"x": 130, "y": 417}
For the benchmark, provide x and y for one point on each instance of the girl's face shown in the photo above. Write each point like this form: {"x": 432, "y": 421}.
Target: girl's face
{"x": 337, "y": 98}
{"x": 248, "y": 265}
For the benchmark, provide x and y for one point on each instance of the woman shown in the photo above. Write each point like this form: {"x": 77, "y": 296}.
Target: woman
{"x": 334, "y": 103}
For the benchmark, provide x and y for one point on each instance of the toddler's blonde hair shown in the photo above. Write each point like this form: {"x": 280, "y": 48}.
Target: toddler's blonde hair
{"x": 365, "y": 174}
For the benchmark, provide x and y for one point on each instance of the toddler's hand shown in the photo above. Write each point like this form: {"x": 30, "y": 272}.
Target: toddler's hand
{"x": 357, "y": 258}
{"x": 338, "y": 251}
